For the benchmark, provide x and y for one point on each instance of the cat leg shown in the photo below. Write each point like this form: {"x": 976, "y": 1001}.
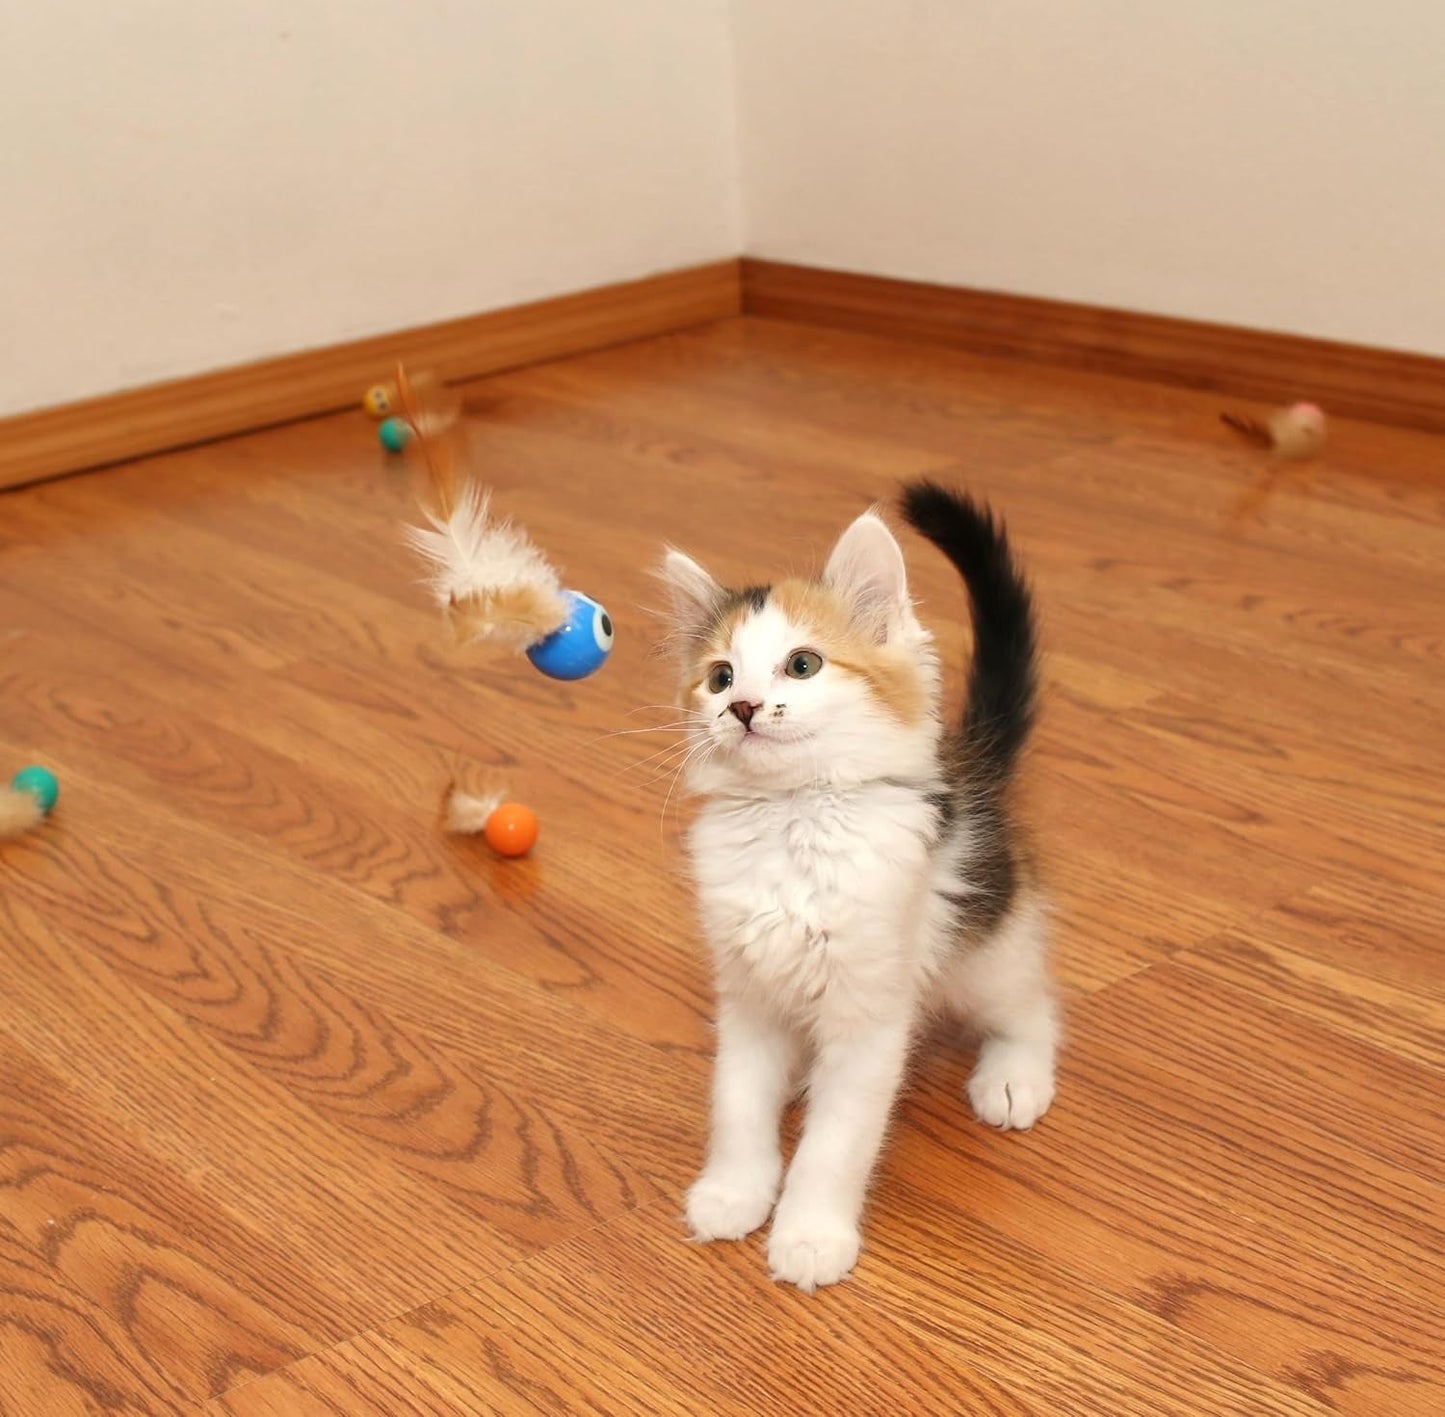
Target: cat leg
{"x": 1002, "y": 988}
{"x": 752, "y": 1079}
{"x": 851, "y": 1089}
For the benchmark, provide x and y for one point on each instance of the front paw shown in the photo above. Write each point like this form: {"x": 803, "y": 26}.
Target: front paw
{"x": 812, "y": 1251}
{"x": 729, "y": 1204}
{"x": 1012, "y": 1085}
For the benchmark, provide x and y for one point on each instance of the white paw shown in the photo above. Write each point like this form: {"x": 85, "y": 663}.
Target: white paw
{"x": 1012, "y": 1085}
{"x": 812, "y": 1253}
{"x": 729, "y": 1205}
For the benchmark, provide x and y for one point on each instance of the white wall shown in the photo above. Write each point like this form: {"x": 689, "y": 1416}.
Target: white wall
{"x": 189, "y": 184}
{"x": 1275, "y": 163}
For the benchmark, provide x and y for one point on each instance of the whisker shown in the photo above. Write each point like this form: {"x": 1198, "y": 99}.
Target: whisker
{"x": 656, "y": 728}
{"x": 663, "y": 708}
{"x": 707, "y": 746}
{"x": 676, "y": 751}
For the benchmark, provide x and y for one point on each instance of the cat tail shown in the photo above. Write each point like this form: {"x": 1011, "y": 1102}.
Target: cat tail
{"x": 1003, "y": 678}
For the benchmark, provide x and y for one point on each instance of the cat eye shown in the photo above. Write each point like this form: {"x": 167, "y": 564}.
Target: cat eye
{"x": 720, "y": 678}
{"x": 803, "y": 664}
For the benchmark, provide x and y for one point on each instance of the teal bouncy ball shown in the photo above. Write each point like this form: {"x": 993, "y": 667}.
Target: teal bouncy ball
{"x": 395, "y": 434}
{"x": 40, "y": 783}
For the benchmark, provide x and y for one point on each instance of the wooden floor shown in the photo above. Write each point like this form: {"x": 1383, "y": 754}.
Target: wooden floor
{"x": 308, "y": 1110}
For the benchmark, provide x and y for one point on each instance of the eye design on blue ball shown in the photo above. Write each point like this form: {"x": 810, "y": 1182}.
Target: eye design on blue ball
{"x": 581, "y": 646}
{"x": 602, "y": 629}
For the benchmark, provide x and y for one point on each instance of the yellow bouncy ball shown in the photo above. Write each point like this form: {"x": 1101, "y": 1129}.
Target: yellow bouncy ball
{"x": 380, "y": 400}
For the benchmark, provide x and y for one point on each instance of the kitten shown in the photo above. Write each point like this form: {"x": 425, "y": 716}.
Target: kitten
{"x": 857, "y": 867}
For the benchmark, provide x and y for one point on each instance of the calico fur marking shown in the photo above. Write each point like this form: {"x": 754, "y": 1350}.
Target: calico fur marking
{"x": 857, "y": 866}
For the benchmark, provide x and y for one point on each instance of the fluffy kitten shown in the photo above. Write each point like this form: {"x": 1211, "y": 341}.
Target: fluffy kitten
{"x": 856, "y": 868}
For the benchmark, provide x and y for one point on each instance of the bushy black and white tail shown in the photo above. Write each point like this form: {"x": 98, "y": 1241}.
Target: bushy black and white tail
{"x": 1002, "y": 684}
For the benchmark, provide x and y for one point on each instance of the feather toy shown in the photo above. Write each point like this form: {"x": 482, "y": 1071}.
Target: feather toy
{"x": 27, "y": 801}
{"x": 489, "y": 578}
{"x": 475, "y": 803}
{"x": 1293, "y": 432}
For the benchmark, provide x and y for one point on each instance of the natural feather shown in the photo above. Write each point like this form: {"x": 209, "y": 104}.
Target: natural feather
{"x": 471, "y": 797}
{"x": 488, "y": 577}
{"x": 20, "y": 812}
{"x": 433, "y": 419}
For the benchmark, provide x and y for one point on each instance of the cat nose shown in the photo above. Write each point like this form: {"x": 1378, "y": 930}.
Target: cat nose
{"x": 743, "y": 711}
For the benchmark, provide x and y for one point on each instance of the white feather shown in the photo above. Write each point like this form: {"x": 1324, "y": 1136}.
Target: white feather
{"x": 19, "y": 812}
{"x": 471, "y": 555}
{"x": 467, "y": 814}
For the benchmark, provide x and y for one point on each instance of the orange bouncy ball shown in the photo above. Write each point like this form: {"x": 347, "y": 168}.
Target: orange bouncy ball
{"x": 511, "y": 829}
{"x": 485, "y": 810}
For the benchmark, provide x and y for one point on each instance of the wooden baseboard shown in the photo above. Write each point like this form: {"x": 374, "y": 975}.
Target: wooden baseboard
{"x": 1350, "y": 380}
{"x": 160, "y": 417}
{"x": 1381, "y": 385}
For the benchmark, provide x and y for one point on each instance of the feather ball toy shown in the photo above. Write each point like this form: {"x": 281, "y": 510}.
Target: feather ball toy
{"x": 1293, "y": 432}
{"x": 489, "y": 578}
{"x": 27, "y": 801}
{"x": 508, "y": 827}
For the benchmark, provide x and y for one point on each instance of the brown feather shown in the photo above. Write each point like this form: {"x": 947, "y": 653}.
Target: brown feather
{"x": 433, "y": 418}
{"x": 520, "y": 615}
{"x": 1248, "y": 427}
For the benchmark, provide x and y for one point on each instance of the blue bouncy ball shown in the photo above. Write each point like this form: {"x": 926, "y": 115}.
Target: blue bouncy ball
{"x": 581, "y": 646}
{"x": 395, "y": 434}
{"x": 40, "y": 783}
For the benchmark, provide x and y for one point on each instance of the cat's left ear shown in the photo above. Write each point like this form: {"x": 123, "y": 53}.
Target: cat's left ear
{"x": 696, "y": 596}
{"x": 866, "y": 570}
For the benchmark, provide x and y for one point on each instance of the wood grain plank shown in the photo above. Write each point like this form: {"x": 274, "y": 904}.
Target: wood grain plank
{"x": 1356, "y": 951}
{"x": 204, "y": 1299}
{"x": 147, "y": 892}
{"x": 1079, "y": 1350}
{"x": 408, "y": 1127}
{"x": 61, "y": 1355}
{"x": 708, "y": 1323}
{"x": 1409, "y": 1023}
{"x": 697, "y": 1332}
{"x": 489, "y": 1150}
{"x": 362, "y": 1378}
{"x": 245, "y": 1142}
{"x": 1095, "y": 1197}
{"x": 591, "y": 945}
{"x": 1283, "y": 1152}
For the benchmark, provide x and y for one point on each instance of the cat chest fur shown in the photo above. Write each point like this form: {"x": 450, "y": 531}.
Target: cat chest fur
{"x": 811, "y": 900}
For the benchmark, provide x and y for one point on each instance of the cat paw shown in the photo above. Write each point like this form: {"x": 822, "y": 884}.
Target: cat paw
{"x": 728, "y": 1207}
{"x": 1012, "y": 1085}
{"x": 812, "y": 1253}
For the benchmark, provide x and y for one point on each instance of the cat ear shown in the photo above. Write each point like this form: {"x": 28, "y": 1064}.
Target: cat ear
{"x": 695, "y": 595}
{"x": 866, "y": 569}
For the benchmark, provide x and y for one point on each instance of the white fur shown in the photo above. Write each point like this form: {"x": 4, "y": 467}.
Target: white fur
{"x": 818, "y": 863}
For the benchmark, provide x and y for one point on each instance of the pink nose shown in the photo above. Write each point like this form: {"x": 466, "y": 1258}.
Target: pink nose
{"x": 743, "y": 712}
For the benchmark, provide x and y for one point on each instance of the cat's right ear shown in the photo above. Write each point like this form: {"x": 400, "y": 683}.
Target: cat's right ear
{"x": 696, "y": 597}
